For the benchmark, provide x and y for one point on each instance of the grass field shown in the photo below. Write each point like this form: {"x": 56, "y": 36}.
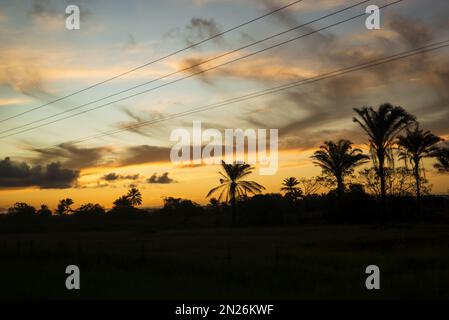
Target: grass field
{"x": 309, "y": 262}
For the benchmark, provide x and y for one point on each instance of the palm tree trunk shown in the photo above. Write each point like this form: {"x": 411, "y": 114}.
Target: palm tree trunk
{"x": 418, "y": 188}
{"x": 383, "y": 190}
{"x": 234, "y": 213}
{"x": 233, "y": 206}
{"x": 340, "y": 190}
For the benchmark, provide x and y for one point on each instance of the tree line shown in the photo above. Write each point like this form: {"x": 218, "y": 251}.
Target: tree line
{"x": 389, "y": 129}
{"x": 392, "y": 134}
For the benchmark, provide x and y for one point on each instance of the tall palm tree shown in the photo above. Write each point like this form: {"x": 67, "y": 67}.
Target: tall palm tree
{"x": 232, "y": 186}
{"x": 291, "y": 188}
{"x": 382, "y": 127}
{"x": 134, "y": 196}
{"x": 442, "y": 156}
{"x": 415, "y": 145}
{"x": 338, "y": 160}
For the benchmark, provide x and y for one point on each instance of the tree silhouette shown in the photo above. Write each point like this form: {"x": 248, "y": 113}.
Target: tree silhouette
{"x": 291, "y": 188}
{"x": 44, "y": 211}
{"x": 399, "y": 181}
{"x": 64, "y": 206}
{"x": 310, "y": 186}
{"x": 22, "y": 209}
{"x": 232, "y": 186}
{"x": 122, "y": 202}
{"x": 415, "y": 145}
{"x": 90, "y": 209}
{"x": 134, "y": 196}
{"x": 338, "y": 160}
{"x": 382, "y": 127}
{"x": 442, "y": 156}
{"x": 214, "y": 203}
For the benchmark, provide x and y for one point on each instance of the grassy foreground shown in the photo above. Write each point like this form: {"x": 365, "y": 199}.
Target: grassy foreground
{"x": 309, "y": 262}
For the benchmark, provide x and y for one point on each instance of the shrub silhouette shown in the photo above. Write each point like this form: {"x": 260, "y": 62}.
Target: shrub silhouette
{"x": 22, "y": 210}
{"x": 90, "y": 210}
{"x": 44, "y": 211}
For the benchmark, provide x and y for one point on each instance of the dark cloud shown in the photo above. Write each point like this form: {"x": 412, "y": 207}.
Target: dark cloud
{"x": 20, "y": 174}
{"x": 114, "y": 177}
{"x": 413, "y": 32}
{"x": 48, "y": 8}
{"x": 197, "y": 66}
{"x": 139, "y": 118}
{"x": 289, "y": 19}
{"x": 306, "y": 112}
{"x": 72, "y": 156}
{"x": 162, "y": 179}
{"x": 79, "y": 158}
{"x": 43, "y": 7}
{"x": 144, "y": 154}
{"x": 198, "y": 29}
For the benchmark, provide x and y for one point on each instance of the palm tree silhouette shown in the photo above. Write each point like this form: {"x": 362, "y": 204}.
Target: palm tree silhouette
{"x": 338, "y": 160}
{"x": 442, "y": 164}
{"x": 122, "y": 202}
{"x": 415, "y": 145}
{"x": 382, "y": 127}
{"x": 290, "y": 186}
{"x": 134, "y": 196}
{"x": 232, "y": 186}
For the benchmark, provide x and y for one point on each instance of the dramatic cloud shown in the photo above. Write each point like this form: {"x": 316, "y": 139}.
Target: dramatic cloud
{"x": 306, "y": 117}
{"x": 20, "y": 174}
{"x": 73, "y": 156}
{"x": 162, "y": 179}
{"x": 82, "y": 158}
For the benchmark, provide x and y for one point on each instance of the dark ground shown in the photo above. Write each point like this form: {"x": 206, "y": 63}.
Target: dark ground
{"x": 302, "y": 262}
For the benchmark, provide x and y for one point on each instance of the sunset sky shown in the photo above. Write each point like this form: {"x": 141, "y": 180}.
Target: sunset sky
{"x": 40, "y": 61}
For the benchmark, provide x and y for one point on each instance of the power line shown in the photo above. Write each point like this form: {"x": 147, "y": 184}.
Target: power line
{"x": 402, "y": 55}
{"x": 180, "y": 79}
{"x": 156, "y": 60}
{"x": 180, "y": 71}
